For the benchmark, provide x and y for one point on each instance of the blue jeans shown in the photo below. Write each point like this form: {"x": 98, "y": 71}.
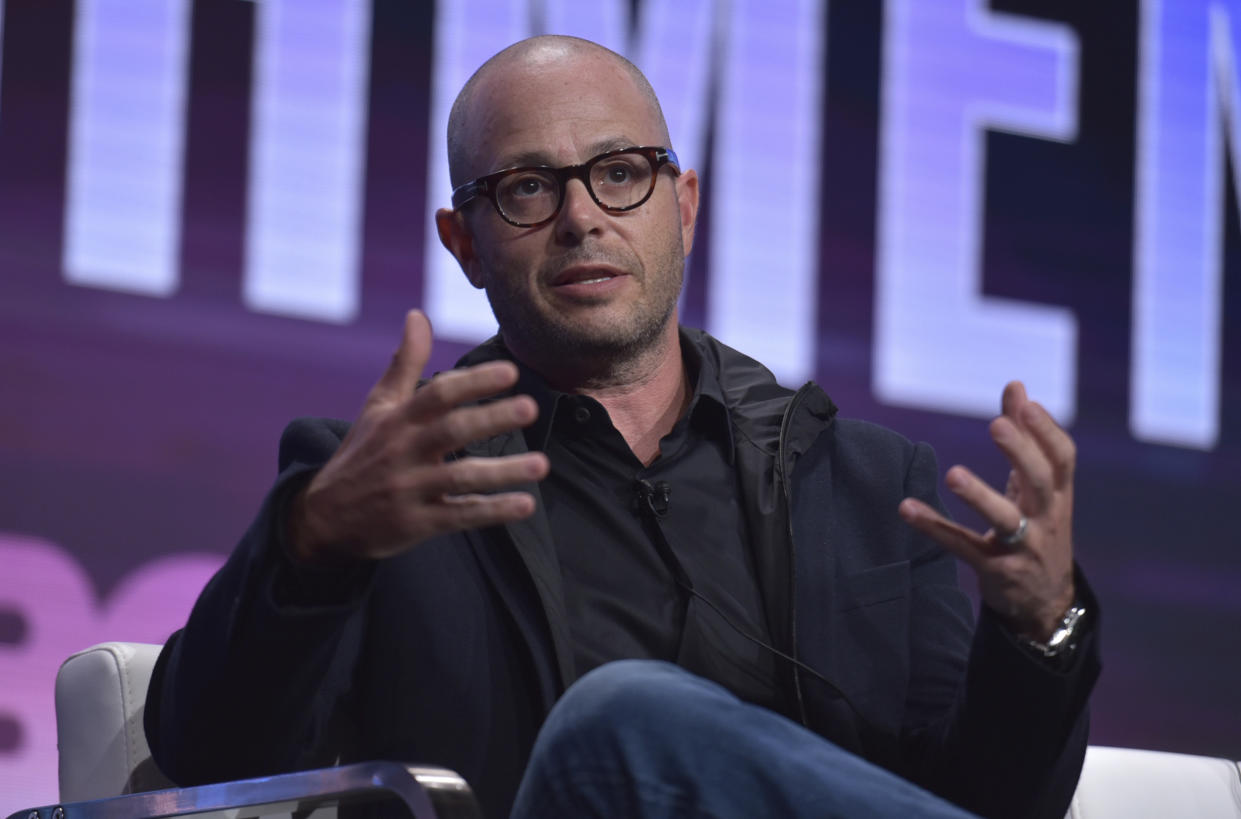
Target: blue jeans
{"x": 640, "y": 738}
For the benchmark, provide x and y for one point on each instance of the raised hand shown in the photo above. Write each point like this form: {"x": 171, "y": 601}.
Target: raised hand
{"x": 1025, "y": 561}
{"x": 389, "y": 487}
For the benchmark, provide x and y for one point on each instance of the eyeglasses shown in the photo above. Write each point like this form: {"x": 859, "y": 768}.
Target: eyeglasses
{"x": 618, "y": 181}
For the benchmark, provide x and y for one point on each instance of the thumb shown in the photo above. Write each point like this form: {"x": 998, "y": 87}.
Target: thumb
{"x": 409, "y": 360}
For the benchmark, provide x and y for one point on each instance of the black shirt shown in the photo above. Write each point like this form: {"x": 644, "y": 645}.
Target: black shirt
{"x": 619, "y": 559}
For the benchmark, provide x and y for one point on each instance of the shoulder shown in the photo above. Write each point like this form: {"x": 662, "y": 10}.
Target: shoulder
{"x": 310, "y": 441}
{"x": 867, "y": 453}
{"x": 759, "y": 402}
{"x": 864, "y": 441}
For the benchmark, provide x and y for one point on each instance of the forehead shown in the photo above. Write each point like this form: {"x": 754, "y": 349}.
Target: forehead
{"x": 556, "y": 110}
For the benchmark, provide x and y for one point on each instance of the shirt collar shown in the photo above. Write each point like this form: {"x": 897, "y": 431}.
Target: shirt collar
{"x": 707, "y": 408}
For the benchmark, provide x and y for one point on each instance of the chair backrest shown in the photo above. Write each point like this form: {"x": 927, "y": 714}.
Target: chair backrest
{"x": 100, "y": 698}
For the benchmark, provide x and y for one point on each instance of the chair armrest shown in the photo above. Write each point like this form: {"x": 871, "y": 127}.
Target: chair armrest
{"x": 426, "y": 792}
{"x": 1136, "y": 784}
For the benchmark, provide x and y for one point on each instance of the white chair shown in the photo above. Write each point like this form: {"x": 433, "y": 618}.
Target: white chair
{"x": 1127, "y": 782}
{"x": 100, "y": 698}
{"x": 101, "y": 692}
{"x": 106, "y": 770}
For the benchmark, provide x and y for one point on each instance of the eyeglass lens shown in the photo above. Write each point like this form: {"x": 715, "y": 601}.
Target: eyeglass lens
{"x": 618, "y": 182}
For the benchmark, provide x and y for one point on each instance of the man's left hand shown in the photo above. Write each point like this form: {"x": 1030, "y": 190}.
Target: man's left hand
{"x": 1025, "y": 577}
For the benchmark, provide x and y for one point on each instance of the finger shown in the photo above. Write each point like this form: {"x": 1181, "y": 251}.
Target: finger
{"x": 1011, "y": 487}
{"x": 448, "y": 390}
{"x": 464, "y": 425}
{"x": 480, "y": 475}
{"x": 1056, "y": 444}
{"x": 965, "y": 544}
{"x": 410, "y": 358}
{"x": 1012, "y": 400}
{"x": 458, "y": 512}
{"x": 1033, "y": 469}
{"x": 998, "y": 510}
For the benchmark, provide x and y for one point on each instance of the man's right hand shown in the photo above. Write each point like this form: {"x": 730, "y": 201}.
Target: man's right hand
{"x": 389, "y": 486}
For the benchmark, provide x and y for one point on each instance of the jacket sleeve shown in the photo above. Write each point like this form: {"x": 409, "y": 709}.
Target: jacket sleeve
{"x": 1006, "y": 737}
{"x": 256, "y": 682}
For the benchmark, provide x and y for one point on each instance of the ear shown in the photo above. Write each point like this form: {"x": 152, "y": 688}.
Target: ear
{"x": 687, "y": 202}
{"x": 455, "y": 236}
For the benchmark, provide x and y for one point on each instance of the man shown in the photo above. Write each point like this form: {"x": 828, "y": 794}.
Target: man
{"x": 597, "y": 484}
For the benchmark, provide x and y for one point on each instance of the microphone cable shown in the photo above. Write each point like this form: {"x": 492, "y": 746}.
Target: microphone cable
{"x": 653, "y": 501}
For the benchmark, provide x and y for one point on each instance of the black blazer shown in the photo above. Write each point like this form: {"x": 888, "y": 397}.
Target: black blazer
{"x": 454, "y": 652}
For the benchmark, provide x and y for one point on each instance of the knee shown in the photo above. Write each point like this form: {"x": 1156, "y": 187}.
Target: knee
{"x": 628, "y": 699}
{"x": 626, "y": 690}
{"x": 614, "y": 728}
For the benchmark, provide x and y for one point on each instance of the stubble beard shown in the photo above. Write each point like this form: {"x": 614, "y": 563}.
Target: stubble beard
{"x": 577, "y": 347}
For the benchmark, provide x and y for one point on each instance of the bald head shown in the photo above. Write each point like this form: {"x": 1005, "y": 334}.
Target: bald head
{"x": 538, "y": 55}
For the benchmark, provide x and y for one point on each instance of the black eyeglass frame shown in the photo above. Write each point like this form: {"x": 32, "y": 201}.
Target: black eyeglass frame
{"x": 486, "y": 186}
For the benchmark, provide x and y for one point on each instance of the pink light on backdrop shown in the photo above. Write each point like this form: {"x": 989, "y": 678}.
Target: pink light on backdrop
{"x": 51, "y": 594}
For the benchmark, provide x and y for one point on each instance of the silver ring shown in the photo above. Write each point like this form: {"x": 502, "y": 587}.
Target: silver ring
{"x": 1015, "y": 537}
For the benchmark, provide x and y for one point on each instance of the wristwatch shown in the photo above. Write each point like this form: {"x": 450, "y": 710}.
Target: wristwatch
{"x": 1064, "y": 639}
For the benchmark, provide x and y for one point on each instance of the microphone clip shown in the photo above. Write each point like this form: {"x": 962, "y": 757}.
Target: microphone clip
{"x": 656, "y": 497}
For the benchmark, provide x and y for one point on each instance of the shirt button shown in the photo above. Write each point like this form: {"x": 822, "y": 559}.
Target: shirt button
{"x": 581, "y": 415}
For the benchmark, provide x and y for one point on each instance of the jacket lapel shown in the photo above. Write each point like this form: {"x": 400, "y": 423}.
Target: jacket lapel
{"x": 536, "y": 567}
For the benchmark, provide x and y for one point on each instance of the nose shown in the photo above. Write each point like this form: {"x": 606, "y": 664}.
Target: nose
{"x": 579, "y": 215}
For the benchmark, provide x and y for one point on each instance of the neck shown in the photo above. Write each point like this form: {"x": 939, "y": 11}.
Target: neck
{"x": 645, "y": 409}
{"x": 645, "y": 396}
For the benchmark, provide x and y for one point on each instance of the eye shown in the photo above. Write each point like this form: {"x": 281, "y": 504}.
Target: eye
{"x": 618, "y": 174}
{"x": 524, "y": 187}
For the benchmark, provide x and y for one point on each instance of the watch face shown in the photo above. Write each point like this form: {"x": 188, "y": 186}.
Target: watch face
{"x": 1062, "y": 639}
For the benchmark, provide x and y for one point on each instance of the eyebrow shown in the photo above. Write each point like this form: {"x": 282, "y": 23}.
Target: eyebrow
{"x": 540, "y": 158}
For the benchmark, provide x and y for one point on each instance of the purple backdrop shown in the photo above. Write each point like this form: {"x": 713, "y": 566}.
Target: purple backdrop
{"x": 138, "y": 419}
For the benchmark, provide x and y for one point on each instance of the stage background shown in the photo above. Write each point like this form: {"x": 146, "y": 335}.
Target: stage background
{"x": 213, "y": 216}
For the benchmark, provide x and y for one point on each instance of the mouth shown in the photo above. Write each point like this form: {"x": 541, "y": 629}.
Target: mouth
{"x": 586, "y": 275}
